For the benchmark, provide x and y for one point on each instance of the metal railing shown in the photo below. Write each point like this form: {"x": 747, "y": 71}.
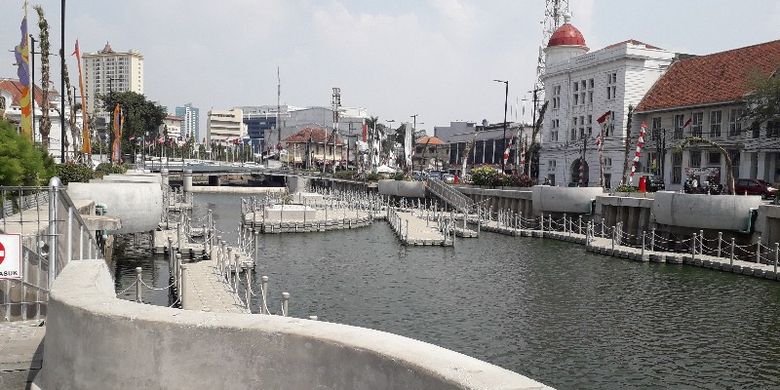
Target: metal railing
{"x": 453, "y": 197}
{"x": 53, "y": 233}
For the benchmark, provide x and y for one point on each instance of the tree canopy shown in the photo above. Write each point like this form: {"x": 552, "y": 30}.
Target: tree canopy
{"x": 141, "y": 115}
{"x": 763, "y": 104}
{"x": 21, "y": 162}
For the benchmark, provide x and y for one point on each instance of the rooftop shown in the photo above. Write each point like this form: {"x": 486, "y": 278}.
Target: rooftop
{"x": 722, "y": 77}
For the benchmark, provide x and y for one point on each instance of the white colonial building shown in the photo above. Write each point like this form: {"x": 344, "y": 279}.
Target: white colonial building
{"x": 579, "y": 87}
{"x": 225, "y": 127}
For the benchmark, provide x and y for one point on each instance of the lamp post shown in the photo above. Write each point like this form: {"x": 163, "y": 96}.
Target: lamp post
{"x": 506, "y": 103}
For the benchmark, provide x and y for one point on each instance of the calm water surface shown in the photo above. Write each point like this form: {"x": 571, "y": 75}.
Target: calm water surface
{"x": 545, "y": 309}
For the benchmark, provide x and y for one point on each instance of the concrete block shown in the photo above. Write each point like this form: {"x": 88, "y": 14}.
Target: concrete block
{"x": 137, "y": 204}
{"x": 577, "y": 200}
{"x": 722, "y": 212}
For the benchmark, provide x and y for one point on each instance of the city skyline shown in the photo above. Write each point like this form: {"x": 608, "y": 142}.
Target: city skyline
{"x": 436, "y": 58}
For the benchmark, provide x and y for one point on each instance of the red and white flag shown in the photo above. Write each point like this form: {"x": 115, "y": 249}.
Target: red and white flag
{"x": 640, "y": 143}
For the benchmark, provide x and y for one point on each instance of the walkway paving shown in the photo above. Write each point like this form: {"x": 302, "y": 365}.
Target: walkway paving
{"x": 21, "y": 353}
{"x": 207, "y": 290}
{"x": 416, "y": 230}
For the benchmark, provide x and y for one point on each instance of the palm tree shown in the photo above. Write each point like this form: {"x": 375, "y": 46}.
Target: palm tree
{"x": 45, "y": 122}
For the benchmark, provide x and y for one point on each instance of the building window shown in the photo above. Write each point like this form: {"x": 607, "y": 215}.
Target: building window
{"x": 735, "y": 122}
{"x": 695, "y": 156}
{"x": 773, "y": 129}
{"x": 696, "y": 124}
{"x": 611, "y": 85}
{"x": 554, "y": 130}
{"x": 713, "y": 158}
{"x": 576, "y": 98}
{"x": 574, "y": 129}
{"x": 677, "y": 168}
{"x": 590, "y": 96}
{"x": 607, "y": 162}
{"x": 655, "y": 127}
{"x": 551, "y": 165}
{"x": 556, "y": 98}
{"x": 716, "y": 117}
{"x": 679, "y": 122}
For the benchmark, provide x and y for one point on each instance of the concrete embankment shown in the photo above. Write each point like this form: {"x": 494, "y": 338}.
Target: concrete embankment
{"x": 95, "y": 340}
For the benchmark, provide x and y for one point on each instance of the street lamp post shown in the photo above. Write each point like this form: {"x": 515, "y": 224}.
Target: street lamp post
{"x": 506, "y": 103}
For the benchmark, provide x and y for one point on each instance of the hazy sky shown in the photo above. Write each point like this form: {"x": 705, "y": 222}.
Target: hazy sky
{"x": 435, "y": 58}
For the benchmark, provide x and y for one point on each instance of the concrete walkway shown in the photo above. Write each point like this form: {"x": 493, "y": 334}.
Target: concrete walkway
{"x": 604, "y": 246}
{"x": 207, "y": 290}
{"x": 21, "y": 353}
{"x": 415, "y": 230}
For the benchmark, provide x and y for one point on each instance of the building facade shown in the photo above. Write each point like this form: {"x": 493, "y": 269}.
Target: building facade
{"x": 702, "y": 97}
{"x": 224, "y": 127}
{"x": 488, "y": 146}
{"x": 296, "y": 118}
{"x": 190, "y": 126}
{"x": 313, "y": 146}
{"x": 106, "y": 71}
{"x": 172, "y": 125}
{"x": 581, "y": 86}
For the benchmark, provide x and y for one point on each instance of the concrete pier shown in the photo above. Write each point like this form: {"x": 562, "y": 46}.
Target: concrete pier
{"x": 205, "y": 289}
{"x": 310, "y": 221}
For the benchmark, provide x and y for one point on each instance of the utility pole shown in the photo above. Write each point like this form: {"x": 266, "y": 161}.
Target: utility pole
{"x": 506, "y": 103}
{"x": 411, "y": 149}
{"x": 62, "y": 81}
{"x": 335, "y": 104}
{"x": 32, "y": 84}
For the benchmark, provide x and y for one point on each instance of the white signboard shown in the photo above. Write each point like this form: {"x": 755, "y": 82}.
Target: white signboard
{"x": 10, "y": 256}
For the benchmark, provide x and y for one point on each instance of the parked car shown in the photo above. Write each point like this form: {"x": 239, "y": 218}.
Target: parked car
{"x": 448, "y": 178}
{"x": 754, "y": 187}
{"x": 435, "y": 175}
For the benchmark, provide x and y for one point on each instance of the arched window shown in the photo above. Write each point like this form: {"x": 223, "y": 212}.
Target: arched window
{"x": 2, "y": 103}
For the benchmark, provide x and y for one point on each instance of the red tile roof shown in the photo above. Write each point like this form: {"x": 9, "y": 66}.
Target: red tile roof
{"x": 715, "y": 78}
{"x": 429, "y": 140}
{"x": 15, "y": 88}
{"x": 567, "y": 35}
{"x": 315, "y": 134}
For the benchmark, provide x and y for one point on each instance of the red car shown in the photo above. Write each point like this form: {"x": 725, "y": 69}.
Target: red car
{"x": 754, "y": 187}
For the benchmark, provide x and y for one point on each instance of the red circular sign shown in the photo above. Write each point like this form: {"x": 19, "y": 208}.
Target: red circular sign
{"x": 2, "y": 253}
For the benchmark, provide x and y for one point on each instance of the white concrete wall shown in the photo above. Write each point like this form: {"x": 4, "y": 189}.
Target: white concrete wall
{"x": 95, "y": 340}
{"x": 718, "y": 212}
{"x": 137, "y": 204}
{"x": 409, "y": 189}
{"x": 564, "y": 199}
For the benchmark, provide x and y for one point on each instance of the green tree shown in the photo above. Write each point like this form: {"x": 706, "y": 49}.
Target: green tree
{"x": 21, "y": 162}
{"x": 141, "y": 115}
{"x": 763, "y": 103}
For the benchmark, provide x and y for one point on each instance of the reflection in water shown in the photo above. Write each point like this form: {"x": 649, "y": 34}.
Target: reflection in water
{"x": 545, "y": 309}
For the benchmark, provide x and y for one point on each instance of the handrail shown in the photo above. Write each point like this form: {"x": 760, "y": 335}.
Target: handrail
{"x": 461, "y": 202}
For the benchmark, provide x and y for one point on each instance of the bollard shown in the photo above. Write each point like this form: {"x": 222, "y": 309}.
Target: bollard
{"x": 264, "y": 290}
{"x": 205, "y": 239}
{"x": 255, "y": 244}
{"x": 246, "y": 290}
{"x": 720, "y": 241}
{"x": 182, "y": 289}
{"x": 614, "y": 233}
{"x": 693, "y": 247}
{"x": 758, "y": 250}
{"x": 602, "y": 227}
{"x": 170, "y": 252}
{"x": 701, "y": 242}
{"x": 178, "y": 266}
{"x": 731, "y": 259}
{"x": 237, "y": 275}
{"x": 579, "y": 225}
{"x": 777, "y": 254}
{"x": 138, "y": 284}
{"x": 652, "y": 239}
{"x": 285, "y": 304}
{"x": 644, "y": 233}
{"x": 564, "y": 222}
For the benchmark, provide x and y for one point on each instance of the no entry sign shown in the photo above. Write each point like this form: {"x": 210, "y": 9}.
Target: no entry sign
{"x": 10, "y": 256}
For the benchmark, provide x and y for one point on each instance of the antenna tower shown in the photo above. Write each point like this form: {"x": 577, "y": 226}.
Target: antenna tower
{"x": 553, "y": 18}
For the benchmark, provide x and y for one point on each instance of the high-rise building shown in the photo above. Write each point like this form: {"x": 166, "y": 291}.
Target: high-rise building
{"x": 224, "y": 127}
{"x": 190, "y": 126}
{"x": 106, "y": 71}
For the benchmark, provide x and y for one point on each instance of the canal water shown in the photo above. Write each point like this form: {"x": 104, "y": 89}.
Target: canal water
{"x": 545, "y": 309}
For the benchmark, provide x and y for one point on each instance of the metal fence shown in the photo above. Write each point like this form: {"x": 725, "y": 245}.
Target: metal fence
{"x": 53, "y": 233}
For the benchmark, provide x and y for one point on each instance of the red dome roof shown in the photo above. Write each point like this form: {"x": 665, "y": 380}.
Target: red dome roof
{"x": 567, "y": 35}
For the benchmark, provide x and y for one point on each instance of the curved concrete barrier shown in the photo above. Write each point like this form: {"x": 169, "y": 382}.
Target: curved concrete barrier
{"x": 721, "y": 212}
{"x": 137, "y": 204}
{"x": 577, "y": 200}
{"x": 409, "y": 189}
{"x": 95, "y": 340}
